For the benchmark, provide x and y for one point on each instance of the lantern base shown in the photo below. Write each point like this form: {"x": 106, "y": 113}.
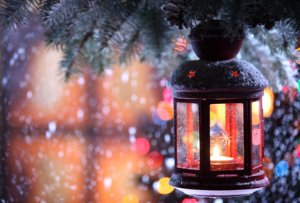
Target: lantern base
{"x": 219, "y": 186}
{"x": 217, "y": 193}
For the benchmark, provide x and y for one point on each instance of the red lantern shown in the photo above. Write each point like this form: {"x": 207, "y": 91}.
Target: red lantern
{"x": 218, "y": 128}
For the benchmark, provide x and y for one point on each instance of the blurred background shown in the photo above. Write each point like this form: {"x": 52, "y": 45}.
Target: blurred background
{"x": 109, "y": 138}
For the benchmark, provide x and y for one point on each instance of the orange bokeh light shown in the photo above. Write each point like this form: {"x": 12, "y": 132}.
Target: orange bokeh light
{"x": 217, "y": 115}
{"x": 46, "y": 96}
{"x": 130, "y": 198}
{"x": 165, "y": 111}
{"x": 118, "y": 173}
{"x": 268, "y": 102}
{"x": 54, "y": 167}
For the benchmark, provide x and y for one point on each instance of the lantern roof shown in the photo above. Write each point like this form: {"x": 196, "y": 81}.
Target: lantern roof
{"x": 201, "y": 75}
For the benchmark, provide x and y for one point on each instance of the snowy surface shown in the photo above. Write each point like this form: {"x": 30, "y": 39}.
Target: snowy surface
{"x": 219, "y": 74}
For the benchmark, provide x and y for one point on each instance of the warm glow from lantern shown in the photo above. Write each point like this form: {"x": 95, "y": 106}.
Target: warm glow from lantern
{"x": 216, "y": 151}
{"x": 268, "y": 100}
{"x": 164, "y": 187}
{"x": 216, "y": 157}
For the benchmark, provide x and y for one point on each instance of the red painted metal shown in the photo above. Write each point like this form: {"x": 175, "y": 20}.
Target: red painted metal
{"x": 190, "y": 135}
{"x": 231, "y": 130}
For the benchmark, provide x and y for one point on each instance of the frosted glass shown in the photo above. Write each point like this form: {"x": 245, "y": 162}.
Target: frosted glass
{"x": 188, "y": 143}
{"x": 226, "y": 136}
{"x": 256, "y": 133}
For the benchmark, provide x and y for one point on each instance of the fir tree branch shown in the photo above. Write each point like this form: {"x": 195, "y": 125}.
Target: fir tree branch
{"x": 155, "y": 34}
{"x": 14, "y": 12}
{"x": 68, "y": 22}
{"x": 200, "y": 11}
{"x": 70, "y": 55}
{"x": 131, "y": 47}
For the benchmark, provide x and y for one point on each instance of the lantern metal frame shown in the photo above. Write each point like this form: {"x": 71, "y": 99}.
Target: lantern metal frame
{"x": 204, "y": 181}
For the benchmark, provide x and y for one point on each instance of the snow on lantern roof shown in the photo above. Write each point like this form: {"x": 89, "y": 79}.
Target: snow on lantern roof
{"x": 200, "y": 75}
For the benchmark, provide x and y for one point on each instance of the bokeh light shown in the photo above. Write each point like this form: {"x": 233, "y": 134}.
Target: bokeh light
{"x": 298, "y": 151}
{"x": 180, "y": 44}
{"x": 213, "y": 118}
{"x": 220, "y": 112}
{"x": 141, "y": 146}
{"x": 217, "y": 115}
{"x": 282, "y": 168}
{"x": 297, "y": 55}
{"x": 154, "y": 160}
{"x": 130, "y": 198}
{"x": 164, "y": 187}
{"x": 167, "y": 95}
{"x": 156, "y": 120}
{"x": 268, "y": 100}
{"x": 189, "y": 200}
{"x": 165, "y": 111}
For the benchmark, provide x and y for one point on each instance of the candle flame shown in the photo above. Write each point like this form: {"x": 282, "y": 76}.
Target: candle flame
{"x": 216, "y": 151}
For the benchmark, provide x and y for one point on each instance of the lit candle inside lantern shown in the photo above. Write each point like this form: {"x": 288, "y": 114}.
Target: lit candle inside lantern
{"x": 217, "y": 157}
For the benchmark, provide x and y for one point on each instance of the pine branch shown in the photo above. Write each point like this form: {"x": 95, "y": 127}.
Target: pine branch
{"x": 15, "y": 12}
{"x": 200, "y": 11}
{"x": 273, "y": 64}
{"x": 98, "y": 60}
{"x": 155, "y": 33}
{"x": 119, "y": 13}
{"x": 131, "y": 47}
{"x": 71, "y": 54}
{"x": 93, "y": 26}
{"x": 280, "y": 39}
{"x": 64, "y": 14}
{"x": 233, "y": 15}
{"x": 283, "y": 10}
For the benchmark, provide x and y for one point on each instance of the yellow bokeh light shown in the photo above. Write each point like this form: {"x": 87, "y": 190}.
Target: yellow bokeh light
{"x": 164, "y": 187}
{"x": 268, "y": 100}
{"x": 130, "y": 198}
{"x": 213, "y": 118}
{"x": 220, "y": 115}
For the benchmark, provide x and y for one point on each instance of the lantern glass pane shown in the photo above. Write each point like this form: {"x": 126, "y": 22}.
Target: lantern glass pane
{"x": 226, "y": 137}
{"x": 188, "y": 143}
{"x": 256, "y": 133}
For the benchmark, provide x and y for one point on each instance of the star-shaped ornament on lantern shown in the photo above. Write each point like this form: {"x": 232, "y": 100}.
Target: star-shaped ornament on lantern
{"x": 191, "y": 74}
{"x": 235, "y": 73}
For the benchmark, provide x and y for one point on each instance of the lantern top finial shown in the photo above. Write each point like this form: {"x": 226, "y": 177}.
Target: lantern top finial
{"x": 200, "y": 75}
